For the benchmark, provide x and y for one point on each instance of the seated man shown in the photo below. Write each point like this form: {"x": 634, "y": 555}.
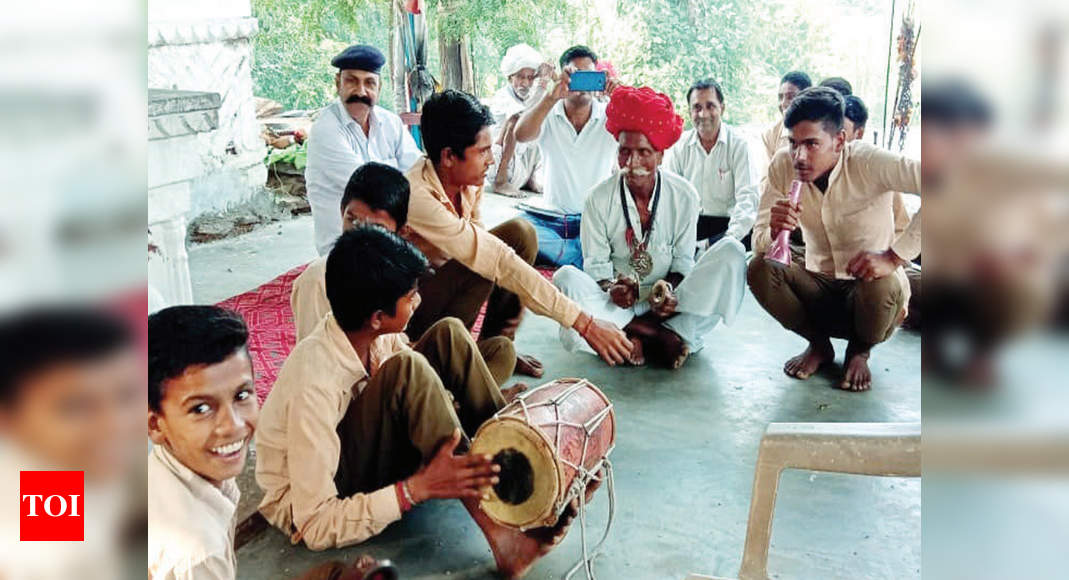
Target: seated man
{"x": 638, "y": 231}
{"x": 470, "y": 262}
{"x": 202, "y": 414}
{"x": 359, "y": 427}
{"x": 350, "y": 132}
{"x": 71, "y": 387}
{"x": 715, "y": 158}
{"x": 377, "y": 194}
{"x": 516, "y": 165}
{"x": 852, "y": 285}
{"x": 569, "y": 126}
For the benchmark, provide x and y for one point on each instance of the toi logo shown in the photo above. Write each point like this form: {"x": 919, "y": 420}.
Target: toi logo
{"x": 51, "y": 506}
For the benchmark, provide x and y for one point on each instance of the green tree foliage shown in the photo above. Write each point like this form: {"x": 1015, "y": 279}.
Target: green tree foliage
{"x": 666, "y": 44}
{"x": 297, "y": 39}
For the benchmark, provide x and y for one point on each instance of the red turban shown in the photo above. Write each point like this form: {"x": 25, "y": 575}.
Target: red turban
{"x": 646, "y": 111}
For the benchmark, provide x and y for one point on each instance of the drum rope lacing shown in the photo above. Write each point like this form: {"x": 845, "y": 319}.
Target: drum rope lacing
{"x": 583, "y": 476}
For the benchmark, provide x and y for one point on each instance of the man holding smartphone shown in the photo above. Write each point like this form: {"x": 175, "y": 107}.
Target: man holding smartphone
{"x": 577, "y": 152}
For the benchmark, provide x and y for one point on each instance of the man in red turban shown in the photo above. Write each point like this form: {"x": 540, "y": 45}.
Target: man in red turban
{"x": 638, "y": 233}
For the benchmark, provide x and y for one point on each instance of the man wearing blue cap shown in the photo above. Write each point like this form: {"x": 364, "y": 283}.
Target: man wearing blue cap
{"x": 349, "y": 133}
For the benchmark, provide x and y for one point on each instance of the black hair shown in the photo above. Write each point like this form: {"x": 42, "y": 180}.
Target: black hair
{"x": 703, "y": 84}
{"x": 452, "y": 119}
{"x": 577, "y": 51}
{"x": 381, "y": 187}
{"x": 46, "y": 336}
{"x": 855, "y": 110}
{"x": 839, "y": 84}
{"x": 370, "y": 269}
{"x": 180, "y": 337}
{"x": 816, "y": 104}
{"x": 798, "y": 79}
{"x": 954, "y": 102}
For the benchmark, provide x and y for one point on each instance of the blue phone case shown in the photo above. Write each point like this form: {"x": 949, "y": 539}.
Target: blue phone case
{"x": 587, "y": 80}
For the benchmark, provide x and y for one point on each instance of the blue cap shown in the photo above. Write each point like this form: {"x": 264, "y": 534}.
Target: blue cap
{"x": 360, "y": 57}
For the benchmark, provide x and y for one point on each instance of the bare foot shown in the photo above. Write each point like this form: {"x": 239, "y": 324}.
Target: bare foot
{"x": 508, "y": 190}
{"x": 515, "y": 551}
{"x": 858, "y": 377}
{"x": 812, "y": 358}
{"x": 661, "y": 346}
{"x": 637, "y": 358}
{"x": 529, "y": 366}
{"x": 514, "y": 391}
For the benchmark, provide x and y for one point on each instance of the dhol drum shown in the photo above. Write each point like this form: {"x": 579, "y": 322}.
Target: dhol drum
{"x": 550, "y": 442}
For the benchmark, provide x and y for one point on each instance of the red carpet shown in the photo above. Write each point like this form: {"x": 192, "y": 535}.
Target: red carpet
{"x": 267, "y": 313}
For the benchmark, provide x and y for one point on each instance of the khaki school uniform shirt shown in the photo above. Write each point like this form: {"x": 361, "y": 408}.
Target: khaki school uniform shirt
{"x": 444, "y": 232}
{"x": 856, "y": 212}
{"x": 297, "y": 446}
{"x": 774, "y": 138}
{"x": 190, "y": 522}
{"x": 308, "y": 298}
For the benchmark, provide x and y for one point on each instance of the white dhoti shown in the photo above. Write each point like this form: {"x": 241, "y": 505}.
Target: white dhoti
{"x": 526, "y": 160}
{"x": 712, "y": 292}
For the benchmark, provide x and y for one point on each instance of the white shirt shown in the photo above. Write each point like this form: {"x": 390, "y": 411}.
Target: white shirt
{"x": 671, "y": 245}
{"x": 190, "y": 522}
{"x": 336, "y": 147}
{"x": 724, "y": 177}
{"x": 574, "y": 163}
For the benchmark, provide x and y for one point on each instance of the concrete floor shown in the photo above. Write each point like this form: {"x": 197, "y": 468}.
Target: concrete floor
{"x": 685, "y": 453}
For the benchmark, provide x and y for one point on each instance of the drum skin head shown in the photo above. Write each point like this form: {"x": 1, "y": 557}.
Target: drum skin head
{"x": 515, "y": 438}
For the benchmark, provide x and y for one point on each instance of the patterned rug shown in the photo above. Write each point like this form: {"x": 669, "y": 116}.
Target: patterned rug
{"x": 272, "y": 334}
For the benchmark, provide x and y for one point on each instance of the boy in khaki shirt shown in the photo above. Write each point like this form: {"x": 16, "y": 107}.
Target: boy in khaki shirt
{"x": 201, "y": 418}
{"x": 471, "y": 262}
{"x": 377, "y": 194}
{"x": 853, "y": 285}
{"x": 360, "y": 427}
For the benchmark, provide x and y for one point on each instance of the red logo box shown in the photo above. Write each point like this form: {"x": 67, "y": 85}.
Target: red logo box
{"x": 51, "y": 506}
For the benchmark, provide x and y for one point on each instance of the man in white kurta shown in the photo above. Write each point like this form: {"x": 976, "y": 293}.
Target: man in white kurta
{"x": 707, "y": 291}
{"x": 715, "y": 158}
{"x": 516, "y": 165}
{"x": 349, "y": 133}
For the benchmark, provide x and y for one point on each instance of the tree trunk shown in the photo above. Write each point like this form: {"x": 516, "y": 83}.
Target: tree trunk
{"x": 455, "y": 57}
{"x": 397, "y": 57}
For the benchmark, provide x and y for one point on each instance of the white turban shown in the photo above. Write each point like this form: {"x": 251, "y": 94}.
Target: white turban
{"x": 518, "y": 58}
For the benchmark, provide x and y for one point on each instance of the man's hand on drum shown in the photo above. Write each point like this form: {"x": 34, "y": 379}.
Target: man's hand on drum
{"x": 611, "y": 344}
{"x": 449, "y": 476}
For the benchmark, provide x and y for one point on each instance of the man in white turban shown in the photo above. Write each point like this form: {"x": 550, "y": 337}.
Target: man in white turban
{"x": 516, "y": 164}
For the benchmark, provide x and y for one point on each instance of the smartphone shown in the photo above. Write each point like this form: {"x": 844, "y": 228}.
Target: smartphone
{"x": 587, "y": 80}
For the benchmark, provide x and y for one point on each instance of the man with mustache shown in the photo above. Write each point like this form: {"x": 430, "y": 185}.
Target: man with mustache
{"x": 716, "y": 160}
{"x": 792, "y": 83}
{"x": 638, "y": 233}
{"x": 516, "y": 164}
{"x": 853, "y": 285}
{"x": 569, "y": 126}
{"x": 349, "y": 133}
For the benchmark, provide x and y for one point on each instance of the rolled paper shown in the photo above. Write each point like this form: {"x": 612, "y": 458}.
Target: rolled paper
{"x": 780, "y": 252}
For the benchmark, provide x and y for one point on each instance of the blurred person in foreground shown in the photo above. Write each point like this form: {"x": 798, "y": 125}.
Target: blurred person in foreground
{"x": 71, "y": 390}
{"x": 202, "y": 414}
{"x": 853, "y": 285}
{"x": 997, "y": 234}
